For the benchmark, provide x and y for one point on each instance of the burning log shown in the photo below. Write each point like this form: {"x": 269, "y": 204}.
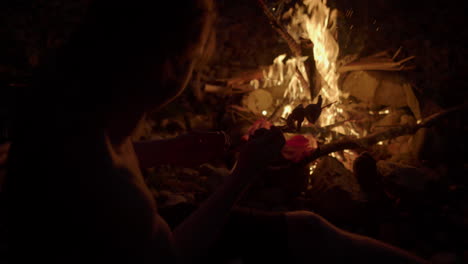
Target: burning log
{"x": 298, "y": 51}
{"x": 313, "y": 111}
{"x": 381, "y": 136}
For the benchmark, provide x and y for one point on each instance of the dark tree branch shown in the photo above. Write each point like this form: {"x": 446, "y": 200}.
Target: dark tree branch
{"x": 353, "y": 143}
{"x": 293, "y": 45}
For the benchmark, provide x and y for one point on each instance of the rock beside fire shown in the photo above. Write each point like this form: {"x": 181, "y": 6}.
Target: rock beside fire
{"x": 381, "y": 89}
{"x": 331, "y": 173}
{"x": 334, "y": 192}
{"x": 362, "y": 85}
{"x": 259, "y": 101}
{"x": 411, "y": 178}
{"x": 390, "y": 90}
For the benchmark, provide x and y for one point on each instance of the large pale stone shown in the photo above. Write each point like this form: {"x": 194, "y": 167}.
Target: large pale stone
{"x": 362, "y": 85}
{"x": 331, "y": 173}
{"x": 412, "y": 101}
{"x": 381, "y": 89}
{"x": 411, "y": 177}
{"x": 391, "y": 90}
{"x": 258, "y": 101}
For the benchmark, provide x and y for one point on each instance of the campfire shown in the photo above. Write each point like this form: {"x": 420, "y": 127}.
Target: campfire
{"x": 346, "y": 104}
{"x": 338, "y": 111}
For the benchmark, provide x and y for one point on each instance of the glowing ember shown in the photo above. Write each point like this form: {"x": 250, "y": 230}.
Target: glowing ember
{"x": 286, "y": 111}
{"x": 312, "y": 168}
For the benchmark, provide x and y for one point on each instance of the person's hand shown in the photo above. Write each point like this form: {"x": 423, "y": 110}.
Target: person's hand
{"x": 262, "y": 148}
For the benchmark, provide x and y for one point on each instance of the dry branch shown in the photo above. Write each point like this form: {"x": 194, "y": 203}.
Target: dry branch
{"x": 379, "y": 61}
{"x": 293, "y": 45}
{"x": 376, "y": 66}
{"x": 352, "y": 143}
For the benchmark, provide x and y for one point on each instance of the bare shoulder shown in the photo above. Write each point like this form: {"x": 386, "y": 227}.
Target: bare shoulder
{"x": 126, "y": 210}
{"x": 129, "y": 221}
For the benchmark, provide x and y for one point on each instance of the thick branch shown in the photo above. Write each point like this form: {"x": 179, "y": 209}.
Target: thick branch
{"x": 297, "y": 51}
{"x": 301, "y": 78}
{"x": 293, "y": 45}
{"x": 352, "y": 143}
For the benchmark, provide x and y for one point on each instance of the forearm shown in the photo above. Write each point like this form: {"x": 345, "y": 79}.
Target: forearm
{"x": 367, "y": 250}
{"x": 196, "y": 235}
{"x": 309, "y": 232}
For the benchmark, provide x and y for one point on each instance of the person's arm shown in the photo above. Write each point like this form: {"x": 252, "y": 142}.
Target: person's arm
{"x": 368, "y": 250}
{"x": 196, "y": 235}
{"x": 312, "y": 238}
{"x": 186, "y": 150}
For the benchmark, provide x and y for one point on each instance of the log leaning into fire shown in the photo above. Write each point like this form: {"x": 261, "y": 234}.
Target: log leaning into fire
{"x": 298, "y": 50}
{"x": 292, "y": 44}
{"x": 351, "y": 143}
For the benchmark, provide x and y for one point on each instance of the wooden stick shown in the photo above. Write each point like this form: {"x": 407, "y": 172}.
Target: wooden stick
{"x": 328, "y": 105}
{"x": 293, "y": 45}
{"x": 367, "y": 64}
{"x": 301, "y": 78}
{"x": 353, "y": 143}
{"x": 397, "y": 53}
{"x": 405, "y": 60}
